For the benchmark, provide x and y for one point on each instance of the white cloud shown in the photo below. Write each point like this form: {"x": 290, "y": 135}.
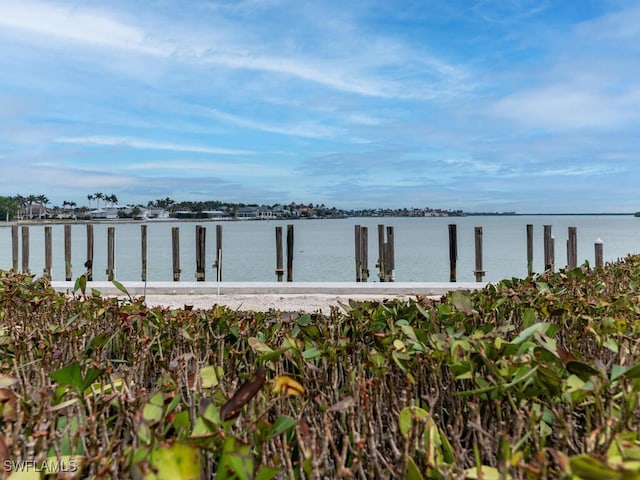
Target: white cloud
{"x": 147, "y": 145}
{"x": 569, "y": 107}
{"x": 302, "y": 129}
{"x": 79, "y": 25}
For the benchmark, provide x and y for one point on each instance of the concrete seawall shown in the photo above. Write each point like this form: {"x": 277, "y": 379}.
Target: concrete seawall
{"x": 274, "y": 288}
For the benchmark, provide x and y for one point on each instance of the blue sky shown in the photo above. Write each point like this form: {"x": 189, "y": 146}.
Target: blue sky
{"x": 480, "y": 105}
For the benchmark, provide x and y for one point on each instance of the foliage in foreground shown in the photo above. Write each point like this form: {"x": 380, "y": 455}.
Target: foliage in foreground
{"x": 528, "y": 378}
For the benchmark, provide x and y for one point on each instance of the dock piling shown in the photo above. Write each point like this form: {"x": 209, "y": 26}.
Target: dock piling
{"x": 529, "y": 249}
{"x": 25, "y": 249}
{"x": 111, "y": 254}
{"x": 479, "y": 272}
{"x": 89, "y": 263}
{"x": 453, "y": 251}
{"x": 279, "y": 258}
{"x": 175, "y": 253}
{"x": 47, "y": 252}
{"x": 14, "y": 248}
{"x": 289, "y": 253}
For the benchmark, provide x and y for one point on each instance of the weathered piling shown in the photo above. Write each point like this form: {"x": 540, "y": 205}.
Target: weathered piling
{"x": 548, "y": 249}
{"x": 362, "y": 253}
{"x": 279, "y": 258}
{"x": 453, "y": 251}
{"x": 143, "y": 252}
{"x": 25, "y": 249}
{"x": 479, "y": 272}
{"x": 14, "y": 248}
{"x": 218, "y": 263}
{"x": 599, "y": 252}
{"x": 175, "y": 252}
{"x": 201, "y": 237}
{"x": 47, "y": 253}
{"x": 111, "y": 254}
{"x": 572, "y": 248}
{"x": 289, "y": 253}
{"x": 358, "y": 251}
{"x": 386, "y": 256}
{"x": 529, "y": 249}
{"x": 89, "y": 263}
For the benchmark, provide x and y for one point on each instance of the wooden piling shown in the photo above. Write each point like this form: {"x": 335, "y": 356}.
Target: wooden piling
{"x": 25, "y": 249}
{"x": 358, "y": 252}
{"x": 89, "y": 263}
{"x": 599, "y": 252}
{"x": 111, "y": 254}
{"x": 143, "y": 253}
{"x": 572, "y": 248}
{"x": 218, "y": 263}
{"x": 479, "y": 272}
{"x": 389, "y": 255}
{"x": 549, "y": 253}
{"x": 14, "y": 248}
{"x": 381, "y": 251}
{"x": 364, "y": 254}
{"x": 529, "y": 249}
{"x": 175, "y": 252}
{"x": 47, "y": 252}
{"x": 201, "y": 237}
{"x": 279, "y": 260}
{"x": 289, "y": 253}
{"x": 453, "y": 251}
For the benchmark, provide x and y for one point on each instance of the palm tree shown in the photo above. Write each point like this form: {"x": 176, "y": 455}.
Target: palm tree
{"x": 43, "y": 201}
{"x": 90, "y": 197}
{"x": 21, "y": 202}
{"x": 30, "y": 200}
{"x": 98, "y": 196}
{"x": 112, "y": 199}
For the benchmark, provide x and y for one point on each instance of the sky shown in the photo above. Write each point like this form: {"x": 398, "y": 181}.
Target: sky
{"x": 479, "y": 105}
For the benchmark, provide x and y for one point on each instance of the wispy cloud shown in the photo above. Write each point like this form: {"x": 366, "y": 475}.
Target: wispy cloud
{"x": 149, "y": 145}
{"x": 78, "y": 25}
{"x": 303, "y": 129}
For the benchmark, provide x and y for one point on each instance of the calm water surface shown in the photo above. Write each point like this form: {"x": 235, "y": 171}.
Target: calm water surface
{"x": 324, "y": 249}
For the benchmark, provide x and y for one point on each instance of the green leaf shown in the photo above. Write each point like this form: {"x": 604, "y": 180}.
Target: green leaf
{"x": 176, "y": 462}
{"x": 208, "y": 376}
{"x": 120, "y": 287}
{"x": 267, "y": 473}
{"x": 259, "y": 346}
{"x": 484, "y": 473}
{"x": 529, "y": 331}
{"x": 282, "y": 425}
{"x": 588, "y": 468}
{"x": 462, "y": 302}
{"x": 80, "y": 284}
{"x": 633, "y": 372}
{"x": 71, "y": 376}
{"x": 236, "y": 461}
{"x": 407, "y": 415}
{"x": 91, "y": 376}
{"x": 152, "y": 412}
{"x": 413, "y": 472}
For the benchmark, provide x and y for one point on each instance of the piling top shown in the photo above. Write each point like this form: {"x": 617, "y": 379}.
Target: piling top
{"x": 599, "y": 241}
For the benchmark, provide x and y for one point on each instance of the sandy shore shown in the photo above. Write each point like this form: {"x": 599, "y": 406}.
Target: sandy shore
{"x": 309, "y": 303}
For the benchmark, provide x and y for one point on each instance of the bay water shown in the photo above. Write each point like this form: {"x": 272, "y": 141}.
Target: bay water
{"x": 324, "y": 248}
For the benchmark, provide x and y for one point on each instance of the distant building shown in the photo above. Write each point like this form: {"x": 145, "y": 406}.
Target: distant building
{"x": 254, "y": 213}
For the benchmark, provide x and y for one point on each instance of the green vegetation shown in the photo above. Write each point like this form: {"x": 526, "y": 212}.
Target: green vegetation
{"x": 8, "y": 209}
{"x": 530, "y": 378}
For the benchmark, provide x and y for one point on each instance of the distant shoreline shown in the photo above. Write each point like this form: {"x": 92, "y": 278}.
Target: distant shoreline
{"x": 59, "y": 221}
